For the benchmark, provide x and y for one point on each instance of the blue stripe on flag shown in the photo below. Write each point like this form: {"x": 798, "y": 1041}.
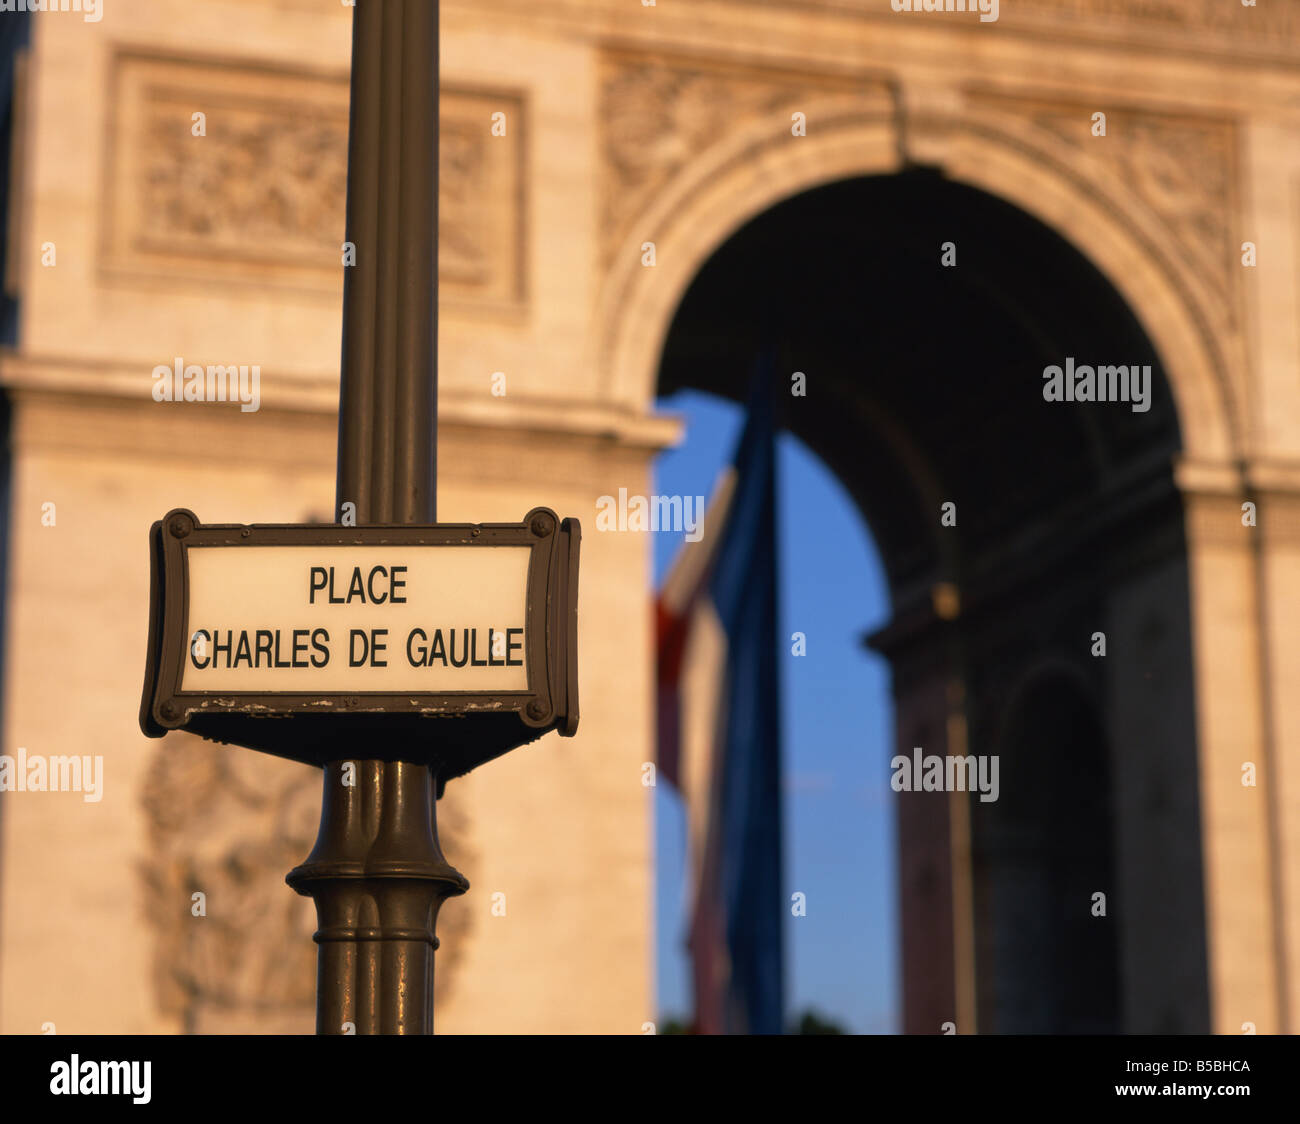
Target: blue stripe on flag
{"x": 744, "y": 590}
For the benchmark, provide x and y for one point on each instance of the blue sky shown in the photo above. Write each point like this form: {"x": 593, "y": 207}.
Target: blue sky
{"x": 837, "y": 719}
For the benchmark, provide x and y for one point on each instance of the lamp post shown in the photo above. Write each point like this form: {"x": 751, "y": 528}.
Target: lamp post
{"x": 391, "y": 725}
{"x": 377, "y": 873}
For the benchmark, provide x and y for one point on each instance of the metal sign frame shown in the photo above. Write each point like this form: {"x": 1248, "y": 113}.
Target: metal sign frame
{"x": 316, "y": 726}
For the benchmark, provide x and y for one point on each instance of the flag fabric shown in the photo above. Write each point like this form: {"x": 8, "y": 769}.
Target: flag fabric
{"x": 682, "y": 618}
{"x": 719, "y": 736}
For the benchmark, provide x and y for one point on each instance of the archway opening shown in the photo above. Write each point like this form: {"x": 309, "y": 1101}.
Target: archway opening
{"x": 916, "y": 322}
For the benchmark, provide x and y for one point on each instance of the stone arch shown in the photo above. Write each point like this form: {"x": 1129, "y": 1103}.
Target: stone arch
{"x": 1002, "y": 154}
{"x": 1129, "y": 241}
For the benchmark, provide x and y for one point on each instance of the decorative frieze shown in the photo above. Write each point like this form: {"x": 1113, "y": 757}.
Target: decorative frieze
{"x": 226, "y": 172}
{"x": 658, "y": 113}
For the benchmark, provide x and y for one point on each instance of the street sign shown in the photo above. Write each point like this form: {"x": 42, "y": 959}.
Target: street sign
{"x": 447, "y": 643}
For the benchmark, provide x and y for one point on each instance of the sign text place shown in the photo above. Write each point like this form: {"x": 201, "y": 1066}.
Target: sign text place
{"x": 387, "y": 619}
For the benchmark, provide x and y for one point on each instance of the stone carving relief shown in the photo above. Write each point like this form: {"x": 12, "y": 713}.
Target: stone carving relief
{"x": 260, "y": 197}
{"x": 658, "y": 114}
{"x": 270, "y": 187}
{"x": 1183, "y": 168}
{"x": 230, "y": 824}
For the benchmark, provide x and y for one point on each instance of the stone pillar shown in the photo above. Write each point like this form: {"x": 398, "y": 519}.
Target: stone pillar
{"x": 1235, "y": 818}
{"x": 931, "y": 854}
{"x": 1279, "y": 531}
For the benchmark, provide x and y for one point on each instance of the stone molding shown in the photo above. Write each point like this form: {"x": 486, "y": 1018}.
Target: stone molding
{"x": 259, "y": 199}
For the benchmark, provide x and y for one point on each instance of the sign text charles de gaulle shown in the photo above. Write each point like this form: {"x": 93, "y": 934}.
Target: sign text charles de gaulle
{"x": 449, "y": 643}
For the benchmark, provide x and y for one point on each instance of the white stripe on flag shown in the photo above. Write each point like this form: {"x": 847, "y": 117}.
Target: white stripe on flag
{"x": 691, "y": 566}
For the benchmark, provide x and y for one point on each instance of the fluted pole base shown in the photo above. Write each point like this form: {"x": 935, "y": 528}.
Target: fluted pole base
{"x": 378, "y": 877}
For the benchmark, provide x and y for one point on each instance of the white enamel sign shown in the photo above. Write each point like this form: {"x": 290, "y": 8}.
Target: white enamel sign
{"x": 389, "y": 619}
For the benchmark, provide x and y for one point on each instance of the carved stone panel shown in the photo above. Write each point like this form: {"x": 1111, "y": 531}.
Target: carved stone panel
{"x": 658, "y": 113}
{"x": 1183, "y": 168}
{"x": 259, "y": 196}
{"x": 230, "y": 824}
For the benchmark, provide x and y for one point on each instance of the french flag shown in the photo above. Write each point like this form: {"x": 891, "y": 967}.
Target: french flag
{"x": 719, "y": 736}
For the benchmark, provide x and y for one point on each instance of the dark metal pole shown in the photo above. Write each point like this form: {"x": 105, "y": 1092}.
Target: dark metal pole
{"x": 376, "y": 873}
{"x": 388, "y": 401}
